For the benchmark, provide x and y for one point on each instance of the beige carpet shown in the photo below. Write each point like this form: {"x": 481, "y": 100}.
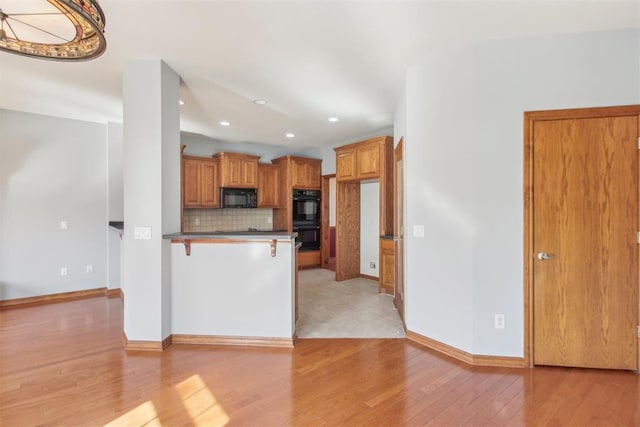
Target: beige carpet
{"x": 348, "y": 309}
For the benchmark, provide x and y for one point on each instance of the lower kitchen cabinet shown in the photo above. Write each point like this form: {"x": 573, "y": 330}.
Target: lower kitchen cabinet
{"x": 386, "y": 282}
{"x": 309, "y": 259}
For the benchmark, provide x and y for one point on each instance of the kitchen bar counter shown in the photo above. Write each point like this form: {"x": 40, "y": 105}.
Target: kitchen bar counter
{"x": 233, "y": 288}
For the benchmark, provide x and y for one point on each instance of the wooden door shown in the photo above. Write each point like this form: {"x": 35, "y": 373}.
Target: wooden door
{"x": 585, "y": 241}
{"x": 398, "y": 179}
{"x": 347, "y": 230}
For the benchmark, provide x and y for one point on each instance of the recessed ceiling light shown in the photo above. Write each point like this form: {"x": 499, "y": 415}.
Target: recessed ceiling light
{"x": 181, "y": 102}
{"x": 333, "y": 119}
{"x": 260, "y": 101}
{"x": 225, "y": 123}
{"x": 289, "y": 135}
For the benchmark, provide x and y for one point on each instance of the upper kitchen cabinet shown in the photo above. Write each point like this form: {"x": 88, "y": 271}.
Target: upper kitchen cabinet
{"x": 268, "y": 185}
{"x": 300, "y": 172}
{"x": 200, "y": 182}
{"x": 238, "y": 170}
{"x": 305, "y": 173}
{"x": 364, "y": 160}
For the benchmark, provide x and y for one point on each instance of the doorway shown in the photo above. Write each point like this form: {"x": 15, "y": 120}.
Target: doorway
{"x": 328, "y": 223}
{"x": 581, "y": 237}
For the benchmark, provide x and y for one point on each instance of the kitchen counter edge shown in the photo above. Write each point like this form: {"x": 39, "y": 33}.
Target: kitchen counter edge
{"x": 231, "y": 235}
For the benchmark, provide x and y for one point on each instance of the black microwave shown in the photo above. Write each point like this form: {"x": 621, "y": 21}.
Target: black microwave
{"x": 238, "y": 197}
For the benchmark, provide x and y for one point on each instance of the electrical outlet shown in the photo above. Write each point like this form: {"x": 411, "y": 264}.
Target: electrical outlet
{"x": 64, "y": 271}
{"x": 89, "y": 268}
{"x": 142, "y": 233}
{"x": 196, "y": 221}
{"x": 64, "y": 225}
{"x": 498, "y": 321}
{"x": 372, "y": 264}
{"x": 269, "y": 220}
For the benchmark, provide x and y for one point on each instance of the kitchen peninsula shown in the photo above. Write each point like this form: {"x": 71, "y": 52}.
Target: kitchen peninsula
{"x": 233, "y": 288}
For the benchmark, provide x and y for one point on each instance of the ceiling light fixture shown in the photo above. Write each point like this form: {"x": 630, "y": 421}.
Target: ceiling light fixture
{"x": 225, "y": 123}
{"x": 289, "y": 135}
{"x": 63, "y": 30}
{"x": 260, "y": 101}
{"x": 180, "y": 102}
{"x": 333, "y": 119}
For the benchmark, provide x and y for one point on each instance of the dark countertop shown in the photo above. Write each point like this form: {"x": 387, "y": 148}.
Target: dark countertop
{"x": 244, "y": 235}
{"x": 387, "y": 236}
{"x": 118, "y": 225}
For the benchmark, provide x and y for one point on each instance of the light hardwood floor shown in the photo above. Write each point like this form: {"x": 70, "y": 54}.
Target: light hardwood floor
{"x": 63, "y": 364}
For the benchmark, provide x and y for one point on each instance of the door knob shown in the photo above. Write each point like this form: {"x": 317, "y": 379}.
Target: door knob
{"x": 545, "y": 256}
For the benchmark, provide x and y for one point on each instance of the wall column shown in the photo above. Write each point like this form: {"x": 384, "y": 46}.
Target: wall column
{"x": 151, "y": 197}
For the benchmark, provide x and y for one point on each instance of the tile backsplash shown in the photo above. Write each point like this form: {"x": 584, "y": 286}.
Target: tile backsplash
{"x": 227, "y": 219}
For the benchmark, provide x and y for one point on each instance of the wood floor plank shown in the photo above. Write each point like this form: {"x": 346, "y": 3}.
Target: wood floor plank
{"x": 63, "y": 364}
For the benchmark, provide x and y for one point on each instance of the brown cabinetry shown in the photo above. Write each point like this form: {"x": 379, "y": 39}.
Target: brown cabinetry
{"x": 296, "y": 173}
{"x": 361, "y": 160}
{"x": 346, "y": 164}
{"x": 200, "y": 182}
{"x": 238, "y": 170}
{"x": 305, "y": 173}
{"x": 268, "y": 185}
{"x": 371, "y": 159}
{"x": 387, "y": 266}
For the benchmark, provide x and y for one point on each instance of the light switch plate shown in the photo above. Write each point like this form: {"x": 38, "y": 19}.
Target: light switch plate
{"x": 64, "y": 225}
{"x": 418, "y": 231}
{"x": 142, "y": 233}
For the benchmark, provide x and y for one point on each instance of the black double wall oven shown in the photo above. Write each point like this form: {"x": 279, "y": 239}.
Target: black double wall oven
{"x": 306, "y": 218}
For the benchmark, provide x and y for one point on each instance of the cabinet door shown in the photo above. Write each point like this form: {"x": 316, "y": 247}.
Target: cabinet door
{"x": 346, "y": 165}
{"x": 210, "y": 188}
{"x": 298, "y": 173}
{"x": 233, "y": 172}
{"x": 192, "y": 183}
{"x": 268, "y": 186}
{"x": 249, "y": 173}
{"x": 314, "y": 172}
{"x": 387, "y": 267}
{"x": 369, "y": 161}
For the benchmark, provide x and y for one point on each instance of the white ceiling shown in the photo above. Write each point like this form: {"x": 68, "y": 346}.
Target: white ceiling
{"x": 310, "y": 59}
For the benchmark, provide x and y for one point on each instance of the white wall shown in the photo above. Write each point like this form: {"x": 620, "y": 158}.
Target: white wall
{"x": 369, "y": 227}
{"x": 400, "y": 118}
{"x": 215, "y": 294}
{"x": 199, "y": 145}
{"x": 51, "y": 169}
{"x": 464, "y": 168}
{"x": 151, "y": 195}
{"x": 115, "y": 149}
